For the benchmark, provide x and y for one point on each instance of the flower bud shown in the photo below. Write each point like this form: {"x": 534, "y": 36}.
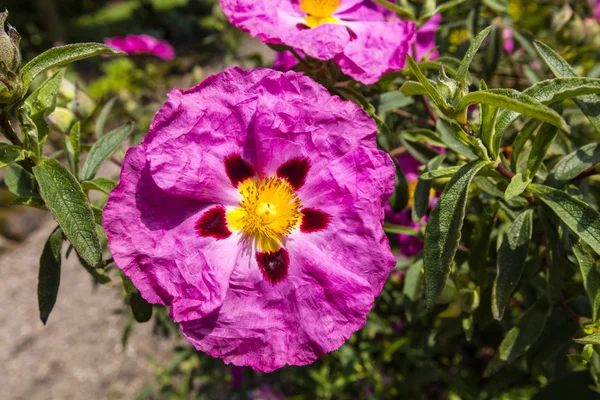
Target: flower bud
{"x": 10, "y": 55}
{"x": 451, "y": 90}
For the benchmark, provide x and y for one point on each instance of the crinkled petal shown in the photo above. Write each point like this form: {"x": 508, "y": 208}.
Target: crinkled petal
{"x": 353, "y": 190}
{"x": 265, "y": 326}
{"x": 426, "y": 38}
{"x": 387, "y": 45}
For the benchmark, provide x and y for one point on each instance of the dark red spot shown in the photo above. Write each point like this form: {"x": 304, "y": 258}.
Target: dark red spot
{"x": 313, "y": 220}
{"x": 237, "y": 169}
{"x": 213, "y": 223}
{"x": 294, "y": 171}
{"x": 273, "y": 265}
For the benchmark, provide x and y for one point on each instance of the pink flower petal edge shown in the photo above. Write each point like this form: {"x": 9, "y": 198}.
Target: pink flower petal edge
{"x": 146, "y": 44}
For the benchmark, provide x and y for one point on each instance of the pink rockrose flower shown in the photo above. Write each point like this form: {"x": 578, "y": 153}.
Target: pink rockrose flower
{"x": 508, "y": 43}
{"x": 253, "y": 208}
{"x": 426, "y": 38}
{"x": 284, "y": 61}
{"x": 134, "y": 44}
{"x": 597, "y": 10}
{"x": 363, "y": 38}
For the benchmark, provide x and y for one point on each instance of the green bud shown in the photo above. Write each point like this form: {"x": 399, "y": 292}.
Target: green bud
{"x": 468, "y": 300}
{"x": 452, "y": 91}
{"x": 10, "y": 55}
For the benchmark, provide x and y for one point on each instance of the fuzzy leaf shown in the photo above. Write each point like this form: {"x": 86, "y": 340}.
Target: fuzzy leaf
{"x": 594, "y": 338}
{"x": 100, "y": 184}
{"x": 439, "y": 9}
{"x": 589, "y": 104}
{"x": 42, "y": 103}
{"x": 591, "y": 278}
{"x": 515, "y": 101}
{"x": 72, "y": 146}
{"x": 574, "y": 164}
{"x": 511, "y": 261}
{"x": 463, "y": 71}
{"x": 517, "y": 185}
{"x": 400, "y": 229}
{"x": 520, "y": 140}
{"x": 427, "y": 85}
{"x": 57, "y": 56}
{"x": 103, "y": 116}
{"x": 541, "y": 143}
{"x": 103, "y": 149}
{"x": 443, "y": 230}
{"x": 577, "y": 215}
{"x": 10, "y": 154}
{"x": 20, "y": 182}
{"x": 70, "y": 208}
{"x": 457, "y": 139}
{"x": 440, "y": 173}
{"x": 423, "y": 190}
{"x": 49, "y": 274}
{"x": 411, "y": 88}
{"x": 413, "y": 283}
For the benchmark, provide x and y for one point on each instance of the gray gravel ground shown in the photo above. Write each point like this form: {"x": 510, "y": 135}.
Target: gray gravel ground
{"x": 78, "y": 354}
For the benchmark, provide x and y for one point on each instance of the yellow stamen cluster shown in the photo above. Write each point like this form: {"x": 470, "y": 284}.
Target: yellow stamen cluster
{"x": 269, "y": 210}
{"x": 319, "y": 11}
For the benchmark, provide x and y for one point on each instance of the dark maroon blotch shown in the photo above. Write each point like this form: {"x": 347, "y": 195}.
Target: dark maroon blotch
{"x": 273, "y": 265}
{"x": 313, "y": 220}
{"x": 294, "y": 171}
{"x": 213, "y": 223}
{"x": 238, "y": 170}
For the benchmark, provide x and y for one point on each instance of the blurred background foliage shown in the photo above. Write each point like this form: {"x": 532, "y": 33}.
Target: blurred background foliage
{"x": 404, "y": 351}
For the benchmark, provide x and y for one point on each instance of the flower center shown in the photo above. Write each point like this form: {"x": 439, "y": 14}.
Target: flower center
{"x": 269, "y": 210}
{"x": 319, "y": 11}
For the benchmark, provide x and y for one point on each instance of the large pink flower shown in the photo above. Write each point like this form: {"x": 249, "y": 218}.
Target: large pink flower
{"x": 426, "y": 38}
{"x": 363, "y": 38}
{"x": 133, "y": 44}
{"x": 254, "y": 208}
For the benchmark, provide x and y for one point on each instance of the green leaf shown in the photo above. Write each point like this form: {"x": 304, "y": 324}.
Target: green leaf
{"x": 103, "y": 149}
{"x": 398, "y": 10}
{"x": 101, "y": 121}
{"x": 541, "y": 143}
{"x": 98, "y": 274}
{"x": 413, "y": 283}
{"x": 440, "y": 173}
{"x": 443, "y": 230}
{"x": 142, "y": 310}
{"x": 29, "y": 131}
{"x": 511, "y": 261}
{"x": 49, "y": 274}
{"x": 391, "y": 101}
{"x": 577, "y": 215}
{"x": 589, "y": 104}
{"x": 463, "y": 71}
{"x": 521, "y": 336}
{"x": 427, "y": 135}
{"x": 516, "y": 101}
{"x": 20, "y": 182}
{"x": 570, "y": 166}
{"x": 439, "y": 9}
{"x": 400, "y": 229}
{"x": 42, "y": 103}
{"x": 481, "y": 240}
{"x": 58, "y": 56}
{"x": 411, "y": 88}
{"x": 10, "y": 154}
{"x": 429, "y": 88}
{"x": 70, "y": 208}
{"x": 520, "y": 140}
{"x": 591, "y": 278}
{"x": 420, "y": 151}
{"x": 458, "y": 140}
{"x": 594, "y": 338}
{"x": 490, "y": 137}
{"x": 517, "y": 185}
{"x": 72, "y": 146}
{"x": 422, "y": 191}
{"x": 100, "y": 184}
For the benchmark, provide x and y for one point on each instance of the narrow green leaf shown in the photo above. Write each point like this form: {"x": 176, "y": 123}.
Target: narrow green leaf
{"x": 511, "y": 261}
{"x": 481, "y": 239}
{"x": 429, "y": 88}
{"x": 591, "y": 278}
{"x": 422, "y": 191}
{"x": 398, "y": 10}
{"x": 142, "y": 310}
{"x": 400, "y": 229}
{"x": 439, "y": 9}
{"x": 411, "y": 88}
{"x": 420, "y": 151}
{"x": 391, "y": 101}
{"x": 517, "y": 185}
{"x": 589, "y": 104}
{"x": 102, "y": 117}
{"x": 426, "y": 135}
{"x": 70, "y": 208}
{"x": 399, "y": 199}
{"x": 10, "y": 154}
{"x": 413, "y": 283}
{"x": 570, "y": 166}
{"x": 103, "y": 149}
{"x": 463, "y": 71}
{"x": 594, "y": 338}
{"x": 516, "y": 101}
{"x": 520, "y": 140}
{"x": 577, "y": 215}
{"x": 521, "y": 336}
{"x": 457, "y": 139}
{"x": 541, "y": 143}
{"x": 20, "y": 182}
{"x": 491, "y": 139}
{"x": 49, "y": 274}
{"x": 100, "y": 184}
{"x": 440, "y": 173}
{"x": 41, "y": 103}
{"x": 72, "y": 146}
{"x": 57, "y": 56}
{"x": 443, "y": 230}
